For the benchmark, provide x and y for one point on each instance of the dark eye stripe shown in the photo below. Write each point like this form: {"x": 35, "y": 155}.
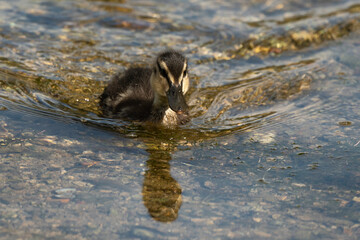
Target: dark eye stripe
{"x": 164, "y": 74}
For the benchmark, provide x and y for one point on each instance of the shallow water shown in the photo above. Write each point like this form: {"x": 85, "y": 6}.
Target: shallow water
{"x": 272, "y": 150}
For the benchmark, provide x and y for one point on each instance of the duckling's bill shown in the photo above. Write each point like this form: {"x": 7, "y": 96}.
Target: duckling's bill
{"x": 153, "y": 94}
{"x": 176, "y": 99}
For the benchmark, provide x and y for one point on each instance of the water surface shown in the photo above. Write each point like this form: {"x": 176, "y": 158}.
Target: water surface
{"x": 272, "y": 150}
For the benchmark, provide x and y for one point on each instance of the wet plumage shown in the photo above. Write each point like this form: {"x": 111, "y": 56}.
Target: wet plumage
{"x": 153, "y": 94}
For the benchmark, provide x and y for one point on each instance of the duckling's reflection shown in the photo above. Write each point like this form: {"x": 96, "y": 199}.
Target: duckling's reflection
{"x": 161, "y": 192}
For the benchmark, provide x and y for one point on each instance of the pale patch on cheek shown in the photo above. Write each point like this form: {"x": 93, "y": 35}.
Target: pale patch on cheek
{"x": 185, "y": 80}
{"x": 159, "y": 84}
{"x": 185, "y": 84}
{"x": 165, "y": 85}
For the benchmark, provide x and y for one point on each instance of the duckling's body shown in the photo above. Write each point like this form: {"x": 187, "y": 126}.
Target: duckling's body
{"x": 150, "y": 94}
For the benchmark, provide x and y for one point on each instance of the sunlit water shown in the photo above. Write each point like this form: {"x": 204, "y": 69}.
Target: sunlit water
{"x": 272, "y": 150}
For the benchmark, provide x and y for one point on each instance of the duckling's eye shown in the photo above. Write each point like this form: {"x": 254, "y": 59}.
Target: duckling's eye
{"x": 185, "y": 72}
{"x": 162, "y": 71}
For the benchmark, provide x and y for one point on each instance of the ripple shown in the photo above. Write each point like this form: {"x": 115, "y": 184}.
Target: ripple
{"x": 252, "y": 65}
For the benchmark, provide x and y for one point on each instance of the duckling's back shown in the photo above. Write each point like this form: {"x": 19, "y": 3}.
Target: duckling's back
{"x": 129, "y": 95}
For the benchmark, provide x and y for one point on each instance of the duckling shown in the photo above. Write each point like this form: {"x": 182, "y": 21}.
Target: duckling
{"x": 150, "y": 94}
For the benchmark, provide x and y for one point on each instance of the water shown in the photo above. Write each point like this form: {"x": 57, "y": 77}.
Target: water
{"x": 272, "y": 150}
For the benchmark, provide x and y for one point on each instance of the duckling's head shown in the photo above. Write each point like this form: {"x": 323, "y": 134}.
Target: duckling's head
{"x": 170, "y": 80}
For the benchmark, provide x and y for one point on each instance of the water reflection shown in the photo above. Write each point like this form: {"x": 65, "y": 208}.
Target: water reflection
{"x": 287, "y": 67}
{"x": 161, "y": 192}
